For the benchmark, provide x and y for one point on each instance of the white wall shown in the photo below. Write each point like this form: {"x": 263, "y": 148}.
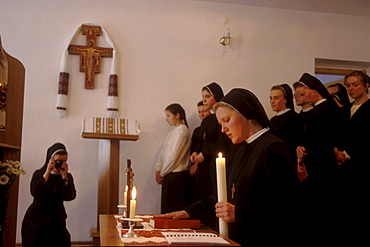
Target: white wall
{"x": 168, "y": 50}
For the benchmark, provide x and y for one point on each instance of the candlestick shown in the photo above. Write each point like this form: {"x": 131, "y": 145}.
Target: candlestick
{"x": 133, "y": 204}
{"x": 221, "y": 190}
{"x": 131, "y": 233}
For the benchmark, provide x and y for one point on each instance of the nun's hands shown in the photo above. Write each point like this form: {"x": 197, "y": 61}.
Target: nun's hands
{"x": 49, "y": 168}
{"x": 193, "y": 157}
{"x": 196, "y": 158}
{"x": 301, "y": 152}
{"x": 193, "y": 169}
{"x": 64, "y": 170}
{"x": 225, "y": 211}
{"x": 199, "y": 158}
{"x": 340, "y": 156}
{"x": 177, "y": 215}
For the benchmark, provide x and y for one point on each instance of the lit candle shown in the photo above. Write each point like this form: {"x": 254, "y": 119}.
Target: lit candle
{"x": 221, "y": 190}
{"x": 125, "y": 196}
{"x": 133, "y": 203}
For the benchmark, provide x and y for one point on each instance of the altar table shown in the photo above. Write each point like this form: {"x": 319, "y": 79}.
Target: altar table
{"x": 109, "y": 235}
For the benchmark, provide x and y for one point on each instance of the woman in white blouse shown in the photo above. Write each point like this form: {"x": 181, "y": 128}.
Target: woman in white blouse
{"x": 172, "y": 166}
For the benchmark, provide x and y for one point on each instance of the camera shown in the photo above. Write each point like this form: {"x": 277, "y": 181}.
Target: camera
{"x": 58, "y": 163}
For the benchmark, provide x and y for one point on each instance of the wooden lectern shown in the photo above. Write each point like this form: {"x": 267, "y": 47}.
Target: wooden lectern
{"x": 108, "y": 187}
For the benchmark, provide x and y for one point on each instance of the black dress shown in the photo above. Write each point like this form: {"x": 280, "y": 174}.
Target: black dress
{"x": 319, "y": 190}
{"x": 213, "y": 141}
{"x": 195, "y": 139}
{"x": 354, "y": 183}
{"x": 44, "y": 223}
{"x": 304, "y": 116}
{"x": 357, "y": 133}
{"x": 319, "y": 140}
{"x": 290, "y": 127}
{"x": 265, "y": 179}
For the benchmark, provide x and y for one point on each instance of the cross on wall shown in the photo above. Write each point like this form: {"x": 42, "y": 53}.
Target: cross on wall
{"x": 90, "y": 55}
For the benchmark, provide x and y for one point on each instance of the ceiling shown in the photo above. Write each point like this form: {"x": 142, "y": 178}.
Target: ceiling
{"x": 347, "y": 7}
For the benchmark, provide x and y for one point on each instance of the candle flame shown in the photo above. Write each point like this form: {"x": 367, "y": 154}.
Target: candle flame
{"x": 220, "y": 155}
{"x": 133, "y": 195}
{"x": 126, "y": 188}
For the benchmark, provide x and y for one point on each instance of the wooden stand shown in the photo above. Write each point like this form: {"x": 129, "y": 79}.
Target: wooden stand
{"x": 108, "y": 188}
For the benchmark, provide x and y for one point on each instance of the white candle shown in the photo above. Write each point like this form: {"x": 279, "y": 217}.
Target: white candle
{"x": 125, "y": 196}
{"x": 133, "y": 203}
{"x": 221, "y": 190}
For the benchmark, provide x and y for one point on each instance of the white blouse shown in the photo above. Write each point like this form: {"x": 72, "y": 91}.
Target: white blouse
{"x": 175, "y": 153}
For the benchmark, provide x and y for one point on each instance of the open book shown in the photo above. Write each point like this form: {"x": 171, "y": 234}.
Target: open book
{"x": 194, "y": 238}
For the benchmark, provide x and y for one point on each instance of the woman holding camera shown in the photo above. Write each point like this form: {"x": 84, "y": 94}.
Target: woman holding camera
{"x": 44, "y": 223}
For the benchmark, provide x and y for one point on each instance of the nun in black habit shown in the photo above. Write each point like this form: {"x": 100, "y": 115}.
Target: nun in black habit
{"x": 354, "y": 170}
{"x": 286, "y": 121}
{"x": 44, "y": 223}
{"x": 213, "y": 141}
{"x": 319, "y": 135}
{"x": 320, "y": 195}
{"x": 262, "y": 180}
{"x": 339, "y": 93}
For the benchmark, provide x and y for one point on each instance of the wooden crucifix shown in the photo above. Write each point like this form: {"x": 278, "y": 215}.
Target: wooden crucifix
{"x": 90, "y": 54}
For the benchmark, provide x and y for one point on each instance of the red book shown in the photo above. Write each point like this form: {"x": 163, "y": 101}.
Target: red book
{"x": 173, "y": 224}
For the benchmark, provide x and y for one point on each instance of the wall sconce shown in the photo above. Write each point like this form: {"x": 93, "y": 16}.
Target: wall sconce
{"x": 225, "y": 40}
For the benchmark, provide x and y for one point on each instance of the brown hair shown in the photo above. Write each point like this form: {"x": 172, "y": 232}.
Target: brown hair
{"x": 177, "y": 108}
{"x": 364, "y": 78}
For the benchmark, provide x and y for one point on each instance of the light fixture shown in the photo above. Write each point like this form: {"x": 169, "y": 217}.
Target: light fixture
{"x": 225, "y": 40}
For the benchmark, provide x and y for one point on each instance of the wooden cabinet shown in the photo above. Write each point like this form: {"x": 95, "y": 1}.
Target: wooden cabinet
{"x": 11, "y": 138}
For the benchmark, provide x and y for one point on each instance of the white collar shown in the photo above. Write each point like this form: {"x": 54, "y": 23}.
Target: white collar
{"x": 282, "y": 112}
{"x": 319, "y": 102}
{"x": 307, "y": 109}
{"x": 257, "y": 134}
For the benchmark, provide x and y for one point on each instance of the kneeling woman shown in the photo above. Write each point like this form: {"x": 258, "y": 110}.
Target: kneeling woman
{"x": 45, "y": 221}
